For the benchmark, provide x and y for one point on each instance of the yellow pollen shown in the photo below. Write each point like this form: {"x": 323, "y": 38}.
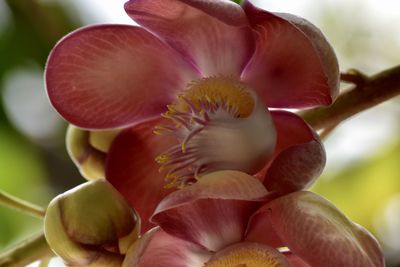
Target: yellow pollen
{"x": 184, "y": 146}
{"x": 203, "y": 103}
{"x": 162, "y": 158}
{"x": 216, "y": 90}
{"x": 173, "y": 182}
{"x": 251, "y": 256}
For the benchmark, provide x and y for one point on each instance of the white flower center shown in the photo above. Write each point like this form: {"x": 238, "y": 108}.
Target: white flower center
{"x": 221, "y": 125}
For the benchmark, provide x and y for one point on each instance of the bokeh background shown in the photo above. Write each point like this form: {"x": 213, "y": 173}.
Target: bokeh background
{"x": 362, "y": 176}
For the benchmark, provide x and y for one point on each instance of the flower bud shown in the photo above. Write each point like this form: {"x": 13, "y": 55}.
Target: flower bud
{"x": 88, "y": 150}
{"x": 91, "y": 225}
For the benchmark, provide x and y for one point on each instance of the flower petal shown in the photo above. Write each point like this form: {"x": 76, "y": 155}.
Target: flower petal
{"x": 293, "y": 64}
{"x": 227, "y": 185}
{"x": 214, "y": 211}
{"x": 317, "y": 232}
{"x": 299, "y": 156}
{"x": 295, "y": 261}
{"x": 132, "y": 170}
{"x": 213, "y": 34}
{"x": 109, "y": 76}
{"x": 158, "y": 249}
{"x": 261, "y": 230}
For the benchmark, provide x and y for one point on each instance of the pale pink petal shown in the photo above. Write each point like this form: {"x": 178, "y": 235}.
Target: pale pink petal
{"x": 211, "y": 216}
{"x": 299, "y": 156}
{"x": 317, "y": 232}
{"x": 158, "y": 249}
{"x": 293, "y": 64}
{"x": 324, "y": 49}
{"x": 213, "y": 34}
{"x": 108, "y": 76}
{"x": 132, "y": 170}
{"x": 261, "y": 230}
{"x": 228, "y": 185}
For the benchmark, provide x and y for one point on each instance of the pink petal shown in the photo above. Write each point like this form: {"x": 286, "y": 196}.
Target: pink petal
{"x": 299, "y": 156}
{"x": 295, "y": 261}
{"x": 317, "y": 232}
{"x": 158, "y": 249}
{"x": 132, "y": 170}
{"x": 217, "y": 185}
{"x": 213, "y": 34}
{"x": 261, "y": 230}
{"x": 293, "y": 64}
{"x": 213, "y": 212}
{"x": 108, "y": 76}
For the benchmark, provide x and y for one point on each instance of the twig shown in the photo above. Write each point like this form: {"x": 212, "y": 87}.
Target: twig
{"x": 327, "y": 132}
{"x": 371, "y": 92}
{"x": 26, "y": 252}
{"x": 354, "y": 76}
{"x": 21, "y": 205}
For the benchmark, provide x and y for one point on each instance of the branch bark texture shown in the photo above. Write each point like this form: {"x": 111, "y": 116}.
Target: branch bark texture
{"x": 368, "y": 92}
{"x": 26, "y": 252}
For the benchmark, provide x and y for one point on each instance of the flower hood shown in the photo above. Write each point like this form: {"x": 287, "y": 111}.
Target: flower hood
{"x": 230, "y": 212}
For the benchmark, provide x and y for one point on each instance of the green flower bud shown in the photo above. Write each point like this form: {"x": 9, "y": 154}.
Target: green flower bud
{"x": 91, "y": 225}
{"x": 88, "y": 150}
{"x": 101, "y": 140}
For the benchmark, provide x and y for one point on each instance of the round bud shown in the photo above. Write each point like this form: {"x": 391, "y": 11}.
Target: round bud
{"x": 91, "y": 225}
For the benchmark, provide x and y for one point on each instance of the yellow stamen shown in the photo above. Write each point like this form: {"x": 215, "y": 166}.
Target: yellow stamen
{"x": 216, "y": 121}
{"x": 249, "y": 255}
{"x": 162, "y": 158}
{"x": 217, "y": 90}
{"x": 184, "y": 146}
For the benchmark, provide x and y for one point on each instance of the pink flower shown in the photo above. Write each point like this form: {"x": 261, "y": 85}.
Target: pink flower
{"x": 216, "y": 66}
{"x": 229, "y": 219}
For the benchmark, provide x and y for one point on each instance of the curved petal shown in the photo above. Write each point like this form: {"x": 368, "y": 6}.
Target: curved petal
{"x": 317, "y": 232}
{"x": 109, "y": 76}
{"x": 213, "y": 212}
{"x": 229, "y": 184}
{"x": 132, "y": 170}
{"x": 158, "y": 249}
{"x": 213, "y": 34}
{"x": 299, "y": 156}
{"x": 293, "y": 64}
{"x": 261, "y": 230}
{"x": 295, "y": 261}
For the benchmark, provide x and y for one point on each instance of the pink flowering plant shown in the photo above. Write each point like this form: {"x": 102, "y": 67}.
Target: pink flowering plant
{"x": 180, "y": 124}
{"x": 211, "y": 69}
{"x": 229, "y": 218}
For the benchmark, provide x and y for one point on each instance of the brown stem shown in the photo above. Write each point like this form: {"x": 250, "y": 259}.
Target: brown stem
{"x": 26, "y": 252}
{"x": 371, "y": 92}
{"x": 327, "y": 132}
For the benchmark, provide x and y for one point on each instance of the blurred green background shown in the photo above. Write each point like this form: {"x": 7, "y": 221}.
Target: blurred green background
{"x": 362, "y": 176}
